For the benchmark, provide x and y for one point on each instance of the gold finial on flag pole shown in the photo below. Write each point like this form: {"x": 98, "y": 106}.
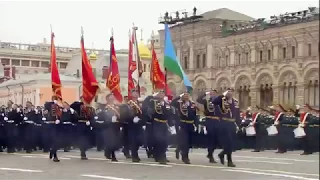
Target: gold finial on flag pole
{"x": 112, "y": 32}
{"x": 141, "y": 35}
{"x": 152, "y": 38}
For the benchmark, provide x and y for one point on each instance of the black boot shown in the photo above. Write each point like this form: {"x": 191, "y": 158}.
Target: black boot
{"x": 211, "y": 159}
{"x": 230, "y": 163}
{"x": 83, "y": 156}
{"x": 177, "y": 154}
{"x": 221, "y": 157}
{"x": 113, "y": 157}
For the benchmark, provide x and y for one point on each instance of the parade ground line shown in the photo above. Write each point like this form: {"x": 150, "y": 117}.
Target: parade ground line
{"x": 269, "y": 174}
{"x": 20, "y": 170}
{"x": 103, "y": 177}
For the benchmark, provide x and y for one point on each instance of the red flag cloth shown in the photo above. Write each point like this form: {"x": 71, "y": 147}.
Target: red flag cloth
{"x": 90, "y": 85}
{"x": 113, "y": 82}
{"x": 131, "y": 68}
{"x": 156, "y": 75}
{"x": 55, "y": 78}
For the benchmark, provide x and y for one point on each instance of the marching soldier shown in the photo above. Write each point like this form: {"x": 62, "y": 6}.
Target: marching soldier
{"x": 187, "y": 125}
{"x": 125, "y": 138}
{"x": 99, "y": 126}
{"x": 212, "y": 122}
{"x": 38, "y": 128}
{"x": 113, "y": 128}
{"x": 261, "y": 131}
{"x": 2, "y": 129}
{"x": 278, "y": 121}
{"x": 227, "y": 106}
{"x": 160, "y": 111}
{"x": 12, "y": 119}
{"x": 135, "y": 125}
{"x": 53, "y": 115}
{"x": 67, "y": 119}
{"x": 84, "y": 115}
{"x": 28, "y": 122}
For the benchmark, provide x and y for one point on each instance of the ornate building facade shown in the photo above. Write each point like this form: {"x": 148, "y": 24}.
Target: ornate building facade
{"x": 276, "y": 64}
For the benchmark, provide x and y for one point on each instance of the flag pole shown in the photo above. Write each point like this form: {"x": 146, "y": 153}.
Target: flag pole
{"x": 152, "y": 65}
{"x": 165, "y": 69}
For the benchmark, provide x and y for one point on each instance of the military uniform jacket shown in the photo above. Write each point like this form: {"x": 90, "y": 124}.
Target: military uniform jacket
{"x": 30, "y": 116}
{"x": 187, "y": 111}
{"x": 209, "y": 109}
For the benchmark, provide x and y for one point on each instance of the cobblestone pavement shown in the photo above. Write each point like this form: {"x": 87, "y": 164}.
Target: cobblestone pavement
{"x": 252, "y": 166}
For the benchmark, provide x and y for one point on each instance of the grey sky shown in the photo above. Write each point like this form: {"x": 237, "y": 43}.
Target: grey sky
{"x": 29, "y": 21}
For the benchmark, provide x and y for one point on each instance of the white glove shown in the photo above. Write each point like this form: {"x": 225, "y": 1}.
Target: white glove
{"x": 36, "y": 111}
{"x": 71, "y": 110}
{"x": 301, "y": 125}
{"x": 2, "y": 114}
{"x": 57, "y": 121}
{"x": 166, "y": 99}
{"x": 5, "y": 118}
{"x": 25, "y": 118}
{"x": 207, "y": 93}
{"x": 205, "y": 130}
{"x": 18, "y": 109}
{"x": 43, "y": 119}
{"x": 181, "y": 94}
{"x": 114, "y": 119}
{"x": 276, "y": 123}
{"x": 155, "y": 94}
{"x": 55, "y": 101}
{"x": 144, "y": 127}
{"x": 120, "y": 128}
{"x": 195, "y": 128}
{"x": 173, "y": 130}
{"x": 88, "y": 123}
{"x": 136, "y": 119}
{"x": 96, "y": 117}
{"x": 251, "y": 124}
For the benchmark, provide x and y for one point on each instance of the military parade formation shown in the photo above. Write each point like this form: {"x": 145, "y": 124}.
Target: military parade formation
{"x": 152, "y": 123}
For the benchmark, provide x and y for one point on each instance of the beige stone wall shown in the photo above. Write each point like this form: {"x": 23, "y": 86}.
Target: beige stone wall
{"x": 253, "y": 60}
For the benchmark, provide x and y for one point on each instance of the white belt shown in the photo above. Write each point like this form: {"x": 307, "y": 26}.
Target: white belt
{"x": 10, "y": 121}
{"x": 29, "y": 122}
{"x": 100, "y": 122}
{"x": 66, "y": 123}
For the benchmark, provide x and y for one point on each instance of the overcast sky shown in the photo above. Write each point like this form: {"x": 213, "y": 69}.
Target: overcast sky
{"x": 29, "y": 21}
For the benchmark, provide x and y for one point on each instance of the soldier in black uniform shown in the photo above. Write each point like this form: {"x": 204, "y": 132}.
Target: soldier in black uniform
{"x": 146, "y": 116}
{"x": 212, "y": 122}
{"x": 28, "y": 122}
{"x": 2, "y": 129}
{"x": 85, "y": 113}
{"x": 12, "y": 118}
{"x": 187, "y": 125}
{"x": 113, "y": 131}
{"x": 227, "y": 109}
{"x": 66, "y": 121}
{"x": 135, "y": 125}
{"x": 52, "y": 120}
{"x": 99, "y": 126}
{"x": 160, "y": 119}
{"x": 38, "y": 128}
{"x": 125, "y": 135}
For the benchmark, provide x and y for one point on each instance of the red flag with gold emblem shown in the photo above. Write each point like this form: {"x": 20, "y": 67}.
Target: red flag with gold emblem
{"x": 55, "y": 78}
{"x": 156, "y": 75}
{"x": 113, "y": 82}
{"x": 90, "y": 85}
{"x": 132, "y": 66}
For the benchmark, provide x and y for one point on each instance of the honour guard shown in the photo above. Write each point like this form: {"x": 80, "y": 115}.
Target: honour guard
{"x": 260, "y": 129}
{"x": 135, "y": 126}
{"x": 113, "y": 128}
{"x": 187, "y": 125}
{"x": 212, "y": 122}
{"x": 227, "y": 106}
{"x": 52, "y": 120}
{"x": 278, "y": 120}
{"x": 99, "y": 126}
{"x": 84, "y": 115}
{"x": 30, "y": 115}
{"x": 160, "y": 115}
{"x": 2, "y": 129}
{"x": 306, "y": 122}
{"x": 147, "y": 112}
{"x": 11, "y": 119}
{"x": 67, "y": 120}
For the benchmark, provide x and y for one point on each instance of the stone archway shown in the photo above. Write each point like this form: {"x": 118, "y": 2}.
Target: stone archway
{"x": 242, "y": 88}
{"x": 265, "y": 92}
{"x": 200, "y": 87}
{"x": 311, "y": 88}
{"x": 288, "y": 88}
{"x": 222, "y": 85}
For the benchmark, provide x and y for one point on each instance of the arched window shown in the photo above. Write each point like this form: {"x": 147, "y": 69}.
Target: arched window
{"x": 198, "y": 61}
{"x": 204, "y": 58}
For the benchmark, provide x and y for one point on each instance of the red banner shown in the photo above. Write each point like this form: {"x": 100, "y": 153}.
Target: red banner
{"x": 113, "y": 82}
{"x": 156, "y": 75}
{"x": 90, "y": 85}
{"x": 55, "y": 78}
{"x": 132, "y": 66}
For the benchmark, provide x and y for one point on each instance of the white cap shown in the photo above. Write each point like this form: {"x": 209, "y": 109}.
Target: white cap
{"x": 298, "y": 106}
